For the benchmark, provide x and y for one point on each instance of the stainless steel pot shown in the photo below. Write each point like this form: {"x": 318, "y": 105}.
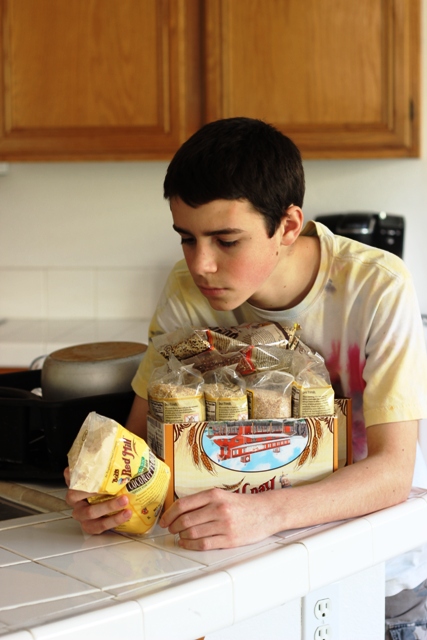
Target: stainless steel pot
{"x": 90, "y": 369}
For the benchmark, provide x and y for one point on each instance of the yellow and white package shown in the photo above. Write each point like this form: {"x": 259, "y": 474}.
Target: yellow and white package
{"x": 146, "y": 493}
{"x": 175, "y": 393}
{"x": 312, "y": 392}
{"x": 108, "y": 460}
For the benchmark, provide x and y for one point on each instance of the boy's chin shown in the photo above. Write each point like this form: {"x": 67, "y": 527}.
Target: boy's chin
{"x": 224, "y": 305}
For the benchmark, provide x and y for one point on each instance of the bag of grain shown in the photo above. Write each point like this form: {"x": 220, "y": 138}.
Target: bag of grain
{"x": 175, "y": 393}
{"x": 106, "y": 460}
{"x": 225, "y": 395}
{"x": 312, "y": 392}
{"x": 270, "y": 395}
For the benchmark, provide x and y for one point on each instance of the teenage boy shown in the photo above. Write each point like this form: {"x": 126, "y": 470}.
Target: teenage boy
{"x": 236, "y": 191}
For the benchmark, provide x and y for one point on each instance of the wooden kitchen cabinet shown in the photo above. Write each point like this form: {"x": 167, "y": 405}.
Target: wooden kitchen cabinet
{"x": 340, "y": 77}
{"x": 132, "y": 79}
{"x": 98, "y": 79}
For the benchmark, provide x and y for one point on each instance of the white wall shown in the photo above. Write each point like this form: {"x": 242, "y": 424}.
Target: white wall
{"x": 95, "y": 240}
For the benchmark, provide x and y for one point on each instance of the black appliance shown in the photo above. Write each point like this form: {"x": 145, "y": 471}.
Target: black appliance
{"x": 36, "y": 435}
{"x": 377, "y": 229}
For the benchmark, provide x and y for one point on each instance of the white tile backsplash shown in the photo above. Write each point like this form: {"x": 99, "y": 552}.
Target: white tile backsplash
{"x": 22, "y": 293}
{"x": 123, "y": 293}
{"x": 20, "y": 355}
{"x": 70, "y": 293}
{"x": 24, "y": 342}
{"x": 53, "y": 293}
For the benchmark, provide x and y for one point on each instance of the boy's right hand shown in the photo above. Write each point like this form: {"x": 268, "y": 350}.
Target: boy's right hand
{"x": 99, "y": 517}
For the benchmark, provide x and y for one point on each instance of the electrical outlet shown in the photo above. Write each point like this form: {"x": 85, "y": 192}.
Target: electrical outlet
{"x": 324, "y": 632}
{"x": 320, "y": 613}
{"x": 323, "y": 609}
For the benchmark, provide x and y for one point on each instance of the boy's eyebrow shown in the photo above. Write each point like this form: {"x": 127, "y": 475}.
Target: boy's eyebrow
{"x": 215, "y": 232}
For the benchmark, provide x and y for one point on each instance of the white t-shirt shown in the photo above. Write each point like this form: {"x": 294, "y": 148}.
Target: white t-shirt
{"x": 361, "y": 315}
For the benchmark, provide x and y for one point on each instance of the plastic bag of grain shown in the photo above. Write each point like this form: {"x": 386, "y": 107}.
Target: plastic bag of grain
{"x": 175, "y": 393}
{"x": 106, "y": 459}
{"x": 225, "y": 395}
{"x": 270, "y": 395}
{"x": 312, "y": 392}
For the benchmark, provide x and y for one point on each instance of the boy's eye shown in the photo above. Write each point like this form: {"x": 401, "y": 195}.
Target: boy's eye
{"x": 224, "y": 243}
{"x": 187, "y": 240}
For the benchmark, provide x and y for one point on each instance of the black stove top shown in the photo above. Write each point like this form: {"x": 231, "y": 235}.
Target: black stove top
{"x": 36, "y": 435}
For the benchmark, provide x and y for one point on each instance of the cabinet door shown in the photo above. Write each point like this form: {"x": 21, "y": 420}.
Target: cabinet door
{"x": 340, "y": 77}
{"x": 98, "y": 79}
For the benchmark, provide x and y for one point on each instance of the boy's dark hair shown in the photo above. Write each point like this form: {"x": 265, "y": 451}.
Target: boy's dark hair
{"x": 238, "y": 158}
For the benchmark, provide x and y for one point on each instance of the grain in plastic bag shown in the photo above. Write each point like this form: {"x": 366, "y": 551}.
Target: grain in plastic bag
{"x": 225, "y": 395}
{"x": 175, "y": 393}
{"x": 270, "y": 395}
{"x": 108, "y": 460}
{"x": 312, "y": 392}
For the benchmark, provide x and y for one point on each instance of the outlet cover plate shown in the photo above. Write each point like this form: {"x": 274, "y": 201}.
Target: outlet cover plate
{"x": 321, "y": 608}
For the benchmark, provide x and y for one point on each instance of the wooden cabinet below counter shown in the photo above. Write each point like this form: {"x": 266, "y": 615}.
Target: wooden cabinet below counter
{"x": 132, "y": 79}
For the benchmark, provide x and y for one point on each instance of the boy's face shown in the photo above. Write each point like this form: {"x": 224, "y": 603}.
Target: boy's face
{"x": 228, "y": 252}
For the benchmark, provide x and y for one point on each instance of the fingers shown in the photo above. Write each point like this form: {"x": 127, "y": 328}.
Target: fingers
{"x": 203, "y": 521}
{"x": 94, "y": 523}
{"x": 187, "y": 505}
{"x": 99, "y": 517}
{"x": 73, "y": 497}
{"x": 206, "y": 543}
{"x": 217, "y": 519}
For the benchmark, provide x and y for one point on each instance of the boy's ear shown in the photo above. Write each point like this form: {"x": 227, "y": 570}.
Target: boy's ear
{"x": 291, "y": 225}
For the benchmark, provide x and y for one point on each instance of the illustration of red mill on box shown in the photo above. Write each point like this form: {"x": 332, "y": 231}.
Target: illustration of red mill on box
{"x": 249, "y": 456}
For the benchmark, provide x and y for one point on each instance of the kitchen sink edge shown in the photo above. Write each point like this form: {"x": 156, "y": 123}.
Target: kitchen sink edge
{"x": 18, "y": 501}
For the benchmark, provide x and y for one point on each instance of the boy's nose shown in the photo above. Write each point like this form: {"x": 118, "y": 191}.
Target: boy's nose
{"x": 204, "y": 262}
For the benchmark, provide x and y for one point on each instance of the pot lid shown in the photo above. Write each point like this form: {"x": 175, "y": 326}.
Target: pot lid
{"x": 96, "y": 351}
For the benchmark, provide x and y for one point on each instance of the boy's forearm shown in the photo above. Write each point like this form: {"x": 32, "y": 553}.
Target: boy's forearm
{"x": 348, "y": 493}
{"x": 383, "y": 479}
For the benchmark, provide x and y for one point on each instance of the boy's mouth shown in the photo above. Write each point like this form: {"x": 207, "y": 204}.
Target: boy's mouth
{"x": 211, "y": 291}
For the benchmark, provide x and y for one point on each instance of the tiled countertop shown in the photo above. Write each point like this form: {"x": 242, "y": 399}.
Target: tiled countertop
{"x": 58, "y": 582}
{"x": 22, "y": 341}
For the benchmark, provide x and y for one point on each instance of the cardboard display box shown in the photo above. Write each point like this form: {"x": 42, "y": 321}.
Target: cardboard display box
{"x": 250, "y": 456}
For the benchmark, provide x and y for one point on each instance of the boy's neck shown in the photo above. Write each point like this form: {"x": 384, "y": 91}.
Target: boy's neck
{"x": 293, "y": 278}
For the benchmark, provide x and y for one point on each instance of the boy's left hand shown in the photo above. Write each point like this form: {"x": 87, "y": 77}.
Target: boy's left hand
{"x": 216, "y": 519}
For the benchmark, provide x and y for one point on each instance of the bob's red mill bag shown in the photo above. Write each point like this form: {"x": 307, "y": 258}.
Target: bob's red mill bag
{"x": 108, "y": 460}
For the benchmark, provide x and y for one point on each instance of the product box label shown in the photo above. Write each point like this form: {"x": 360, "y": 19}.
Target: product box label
{"x": 247, "y": 456}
